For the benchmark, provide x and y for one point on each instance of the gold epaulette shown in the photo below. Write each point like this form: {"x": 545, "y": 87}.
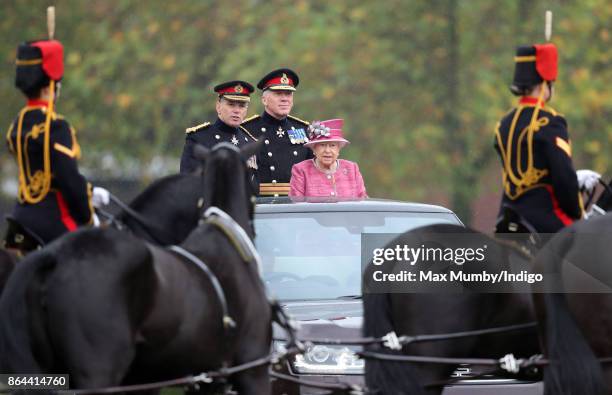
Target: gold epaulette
{"x": 299, "y": 120}
{"x": 8, "y": 138}
{"x": 552, "y": 111}
{"x": 509, "y": 112}
{"x": 251, "y": 118}
{"x": 197, "y": 127}
{"x": 247, "y": 132}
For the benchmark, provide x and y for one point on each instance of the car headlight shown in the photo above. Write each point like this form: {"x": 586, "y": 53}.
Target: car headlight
{"x": 322, "y": 359}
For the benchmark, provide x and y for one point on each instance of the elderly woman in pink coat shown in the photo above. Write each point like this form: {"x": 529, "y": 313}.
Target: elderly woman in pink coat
{"x": 326, "y": 175}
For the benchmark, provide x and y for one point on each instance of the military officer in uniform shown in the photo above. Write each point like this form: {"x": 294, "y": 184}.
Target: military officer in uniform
{"x": 232, "y": 105}
{"x": 541, "y": 189}
{"x": 54, "y": 197}
{"x": 284, "y": 135}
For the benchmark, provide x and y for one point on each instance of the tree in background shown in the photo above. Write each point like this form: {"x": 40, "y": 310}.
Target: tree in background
{"x": 419, "y": 83}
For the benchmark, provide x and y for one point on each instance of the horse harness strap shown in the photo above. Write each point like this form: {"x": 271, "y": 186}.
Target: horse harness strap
{"x": 150, "y": 229}
{"x": 235, "y": 234}
{"x": 202, "y": 378}
{"x": 228, "y": 322}
{"x": 392, "y": 341}
{"x": 245, "y": 247}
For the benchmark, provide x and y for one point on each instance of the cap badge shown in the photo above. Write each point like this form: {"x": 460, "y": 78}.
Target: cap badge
{"x": 238, "y": 88}
{"x": 284, "y": 79}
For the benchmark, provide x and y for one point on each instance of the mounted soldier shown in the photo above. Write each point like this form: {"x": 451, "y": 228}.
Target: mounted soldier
{"x": 541, "y": 189}
{"x": 54, "y": 198}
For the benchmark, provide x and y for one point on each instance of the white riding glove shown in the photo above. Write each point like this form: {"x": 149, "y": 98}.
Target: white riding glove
{"x": 96, "y": 221}
{"x": 100, "y": 197}
{"x": 587, "y": 179}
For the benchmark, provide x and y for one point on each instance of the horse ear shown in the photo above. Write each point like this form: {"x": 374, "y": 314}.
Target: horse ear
{"x": 251, "y": 149}
{"x": 200, "y": 152}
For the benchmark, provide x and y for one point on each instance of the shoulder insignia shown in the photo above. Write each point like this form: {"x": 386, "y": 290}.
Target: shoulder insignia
{"x": 72, "y": 153}
{"x": 247, "y": 132}
{"x": 298, "y": 119}
{"x": 251, "y": 118}
{"x": 8, "y": 137}
{"x": 552, "y": 111}
{"x": 197, "y": 127}
{"x": 510, "y": 111}
{"x": 564, "y": 145}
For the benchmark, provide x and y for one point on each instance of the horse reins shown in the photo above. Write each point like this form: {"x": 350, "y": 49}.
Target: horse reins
{"x": 152, "y": 230}
{"x": 243, "y": 244}
{"x": 391, "y": 340}
{"x": 508, "y": 363}
{"x": 592, "y": 195}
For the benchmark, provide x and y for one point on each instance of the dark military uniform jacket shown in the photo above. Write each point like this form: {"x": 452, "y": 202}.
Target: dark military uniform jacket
{"x": 67, "y": 203}
{"x": 283, "y": 147}
{"x": 539, "y": 178}
{"x": 209, "y": 135}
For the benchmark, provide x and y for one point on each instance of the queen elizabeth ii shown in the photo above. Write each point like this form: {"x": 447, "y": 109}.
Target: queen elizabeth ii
{"x": 325, "y": 175}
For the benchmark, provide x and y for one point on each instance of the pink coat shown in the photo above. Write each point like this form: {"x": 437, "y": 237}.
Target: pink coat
{"x": 308, "y": 180}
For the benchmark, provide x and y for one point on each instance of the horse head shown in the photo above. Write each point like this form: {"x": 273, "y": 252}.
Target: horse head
{"x": 228, "y": 183}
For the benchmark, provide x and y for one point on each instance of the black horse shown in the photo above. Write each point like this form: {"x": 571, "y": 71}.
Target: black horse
{"x": 110, "y": 309}
{"x": 7, "y": 264}
{"x": 446, "y": 311}
{"x": 575, "y": 308}
{"x": 164, "y": 213}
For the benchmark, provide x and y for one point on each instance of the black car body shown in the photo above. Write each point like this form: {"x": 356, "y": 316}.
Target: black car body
{"x": 311, "y": 254}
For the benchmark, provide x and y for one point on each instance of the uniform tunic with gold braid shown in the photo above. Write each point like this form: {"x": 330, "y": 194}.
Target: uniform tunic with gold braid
{"x": 210, "y": 135}
{"x": 283, "y": 147}
{"x": 58, "y": 200}
{"x": 539, "y": 179}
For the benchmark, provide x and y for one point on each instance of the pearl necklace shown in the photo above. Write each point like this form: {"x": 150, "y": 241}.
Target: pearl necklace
{"x": 330, "y": 171}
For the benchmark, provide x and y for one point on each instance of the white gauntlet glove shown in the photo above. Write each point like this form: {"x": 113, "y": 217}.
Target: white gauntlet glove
{"x": 100, "y": 197}
{"x": 96, "y": 221}
{"x": 587, "y": 179}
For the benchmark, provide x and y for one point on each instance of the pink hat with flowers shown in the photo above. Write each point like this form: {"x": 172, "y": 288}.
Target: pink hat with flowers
{"x": 326, "y": 131}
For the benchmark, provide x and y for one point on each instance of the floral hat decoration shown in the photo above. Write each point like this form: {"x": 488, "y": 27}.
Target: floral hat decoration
{"x": 326, "y": 131}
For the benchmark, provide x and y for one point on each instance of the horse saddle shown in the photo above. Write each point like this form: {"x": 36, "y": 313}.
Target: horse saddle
{"x": 20, "y": 238}
{"x": 514, "y": 227}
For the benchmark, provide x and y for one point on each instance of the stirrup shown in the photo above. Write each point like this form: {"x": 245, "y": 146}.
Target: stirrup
{"x": 20, "y": 238}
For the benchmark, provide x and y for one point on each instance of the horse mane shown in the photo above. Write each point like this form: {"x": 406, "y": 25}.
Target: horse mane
{"x": 170, "y": 207}
{"x": 220, "y": 167}
{"x": 143, "y": 199}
